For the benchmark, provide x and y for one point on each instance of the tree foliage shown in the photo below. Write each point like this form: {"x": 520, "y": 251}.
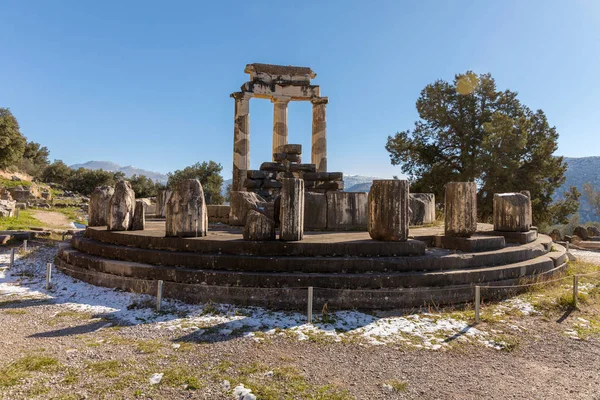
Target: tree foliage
{"x": 84, "y": 181}
{"x": 12, "y": 142}
{"x": 143, "y": 186}
{"x": 57, "y": 172}
{"x": 560, "y": 210}
{"x": 35, "y": 159}
{"x": 593, "y": 197}
{"x": 470, "y": 131}
{"x": 209, "y": 175}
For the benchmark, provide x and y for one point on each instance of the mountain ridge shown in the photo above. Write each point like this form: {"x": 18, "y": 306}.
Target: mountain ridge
{"x": 128, "y": 170}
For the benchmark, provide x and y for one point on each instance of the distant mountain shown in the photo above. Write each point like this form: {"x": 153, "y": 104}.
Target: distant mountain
{"x": 129, "y": 171}
{"x": 579, "y": 172}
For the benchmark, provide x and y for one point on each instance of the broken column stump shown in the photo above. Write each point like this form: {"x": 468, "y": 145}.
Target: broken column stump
{"x": 460, "y": 207}
{"x": 239, "y": 205}
{"x": 422, "y": 208}
{"x": 291, "y": 212}
{"x": 99, "y": 207}
{"x": 512, "y": 212}
{"x": 121, "y": 207}
{"x": 162, "y": 198}
{"x": 186, "y": 214}
{"x": 388, "y": 210}
{"x": 139, "y": 216}
{"x": 258, "y": 227}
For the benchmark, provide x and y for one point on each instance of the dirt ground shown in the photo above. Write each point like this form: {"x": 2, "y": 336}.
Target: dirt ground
{"x": 52, "y": 219}
{"x": 49, "y": 349}
{"x": 546, "y": 365}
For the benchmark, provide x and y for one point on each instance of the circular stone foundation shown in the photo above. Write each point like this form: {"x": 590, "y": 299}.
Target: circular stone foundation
{"x": 347, "y": 270}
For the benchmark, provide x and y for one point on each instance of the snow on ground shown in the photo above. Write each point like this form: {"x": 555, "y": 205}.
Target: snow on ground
{"x": 424, "y": 330}
{"x": 586, "y": 255}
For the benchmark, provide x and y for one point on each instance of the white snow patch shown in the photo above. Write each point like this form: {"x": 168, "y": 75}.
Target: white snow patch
{"x": 156, "y": 378}
{"x": 430, "y": 331}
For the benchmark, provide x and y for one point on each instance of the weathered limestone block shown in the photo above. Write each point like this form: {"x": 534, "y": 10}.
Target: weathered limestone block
{"x": 291, "y": 212}
{"x": 139, "y": 216}
{"x": 186, "y": 211}
{"x": 512, "y": 212}
{"x": 422, "y": 208}
{"x": 98, "y": 209}
{"x": 121, "y": 209}
{"x": 388, "y": 210}
{"x": 460, "y": 207}
{"x": 315, "y": 210}
{"x": 593, "y": 231}
{"x": 581, "y": 232}
{"x": 292, "y": 148}
{"x": 162, "y": 198}
{"x": 7, "y": 208}
{"x": 218, "y": 213}
{"x": 347, "y": 211}
{"x": 240, "y": 203}
{"x": 258, "y": 227}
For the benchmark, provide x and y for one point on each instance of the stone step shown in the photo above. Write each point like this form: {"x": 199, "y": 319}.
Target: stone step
{"x": 296, "y": 298}
{"x": 294, "y": 279}
{"x": 435, "y": 260}
{"x": 225, "y": 244}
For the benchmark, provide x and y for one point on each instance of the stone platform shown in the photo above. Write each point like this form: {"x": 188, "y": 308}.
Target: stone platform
{"x": 346, "y": 269}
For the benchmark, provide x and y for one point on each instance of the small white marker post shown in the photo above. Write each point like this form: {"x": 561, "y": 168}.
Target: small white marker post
{"x": 477, "y": 303}
{"x": 159, "y": 294}
{"x": 25, "y": 246}
{"x": 12, "y": 257}
{"x": 48, "y": 275}
{"x": 575, "y": 289}
{"x": 310, "y": 305}
{"x": 17, "y": 213}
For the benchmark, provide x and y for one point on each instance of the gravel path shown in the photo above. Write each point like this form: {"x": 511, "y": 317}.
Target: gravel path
{"x": 53, "y": 219}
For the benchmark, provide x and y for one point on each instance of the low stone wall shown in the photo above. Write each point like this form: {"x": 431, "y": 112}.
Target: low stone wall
{"x": 336, "y": 211}
{"x": 218, "y": 213}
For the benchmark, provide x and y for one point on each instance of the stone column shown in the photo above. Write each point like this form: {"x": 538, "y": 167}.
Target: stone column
{"x": 241, "y": 140}
{"x": 139, "y": 216}
{"x": 280, "y": 123}
{"x": 99, "y": 207}
{"x": 512, "y": 212}
{"x": 319, "y": 133}
{"x": 388, "y": 210}
{"x": 291, "y": 211}
{"x": 186, "y": 210}
{"x": 460, "y": 207}
{"x": 121, "y": 207}
{"x": 259, "y": 227}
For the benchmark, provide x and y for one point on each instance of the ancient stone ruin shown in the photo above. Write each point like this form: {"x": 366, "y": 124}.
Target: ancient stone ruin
{"x": 388, "y": 210}
{"x": 139, "y": 216}
{"x": 121, "y": 207}
{"x": 280, "y": 84}
{"x": 99, "y": 206}
{"x": 422, "y": 208}
{"x": 512, "y": 212}
{"x": 356, "y": 250}
{"x": 460, "y": 209}
{"x": 186, "y": 210}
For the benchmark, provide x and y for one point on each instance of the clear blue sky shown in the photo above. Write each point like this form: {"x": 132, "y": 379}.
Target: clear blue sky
{"x": 147, "y": 83}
